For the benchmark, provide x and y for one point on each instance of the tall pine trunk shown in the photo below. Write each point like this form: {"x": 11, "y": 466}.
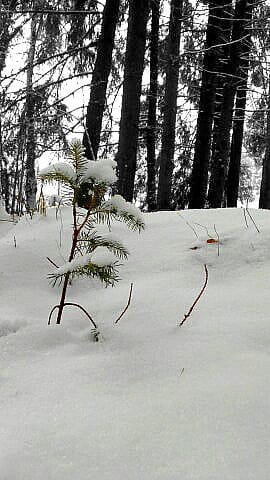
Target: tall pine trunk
{"x": 152, "y": 108}
{"x": 232, "y": 185}
{"x": 6, "y": 7}
{"x": 30, "y": 172}
{"x": 217, "y": 35}
{"x": 99, "y": 82}
{"x": 133, "y": 70}
{"x": 4, "y": 178}
{"x": 170, "y": 107}
{"x": 220, "y": 161}
{"x": 233, "y": 179}
{"x": 264, "y": 200}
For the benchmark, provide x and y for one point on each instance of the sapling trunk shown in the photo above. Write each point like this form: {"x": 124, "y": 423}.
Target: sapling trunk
{"x": 76, "y": 232}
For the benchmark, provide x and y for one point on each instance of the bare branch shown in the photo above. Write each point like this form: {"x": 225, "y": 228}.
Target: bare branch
{"x": 128, "y": 303}
{"x": 197, "y": 298}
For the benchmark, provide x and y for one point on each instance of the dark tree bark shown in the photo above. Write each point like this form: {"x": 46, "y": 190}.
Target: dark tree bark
{"x": 99, "y": 82}
{"x": 232, "y": 185}
{"x": 152, "y": 108}
{"x": 221, "y": 157}
{"x": 4, "y": 179}
{"x": 217, "y": 35}
{"x": 129, "y": 124}
{"x": 5, "y": 22}
{"x": 233, "y": 179}
{"x": 5, "y": 38}
{"x": 264, "y": 200}
{"x": 170, "y": 107}
{"x": 30, "y": 172}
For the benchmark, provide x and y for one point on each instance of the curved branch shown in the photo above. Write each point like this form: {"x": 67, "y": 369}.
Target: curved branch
{"x": 125, "y": 309}
{"x": 74, "y": 305}
{"x": 197, "y": 298}
{"x": 51, "y": 312}
{"x": 83, "y": 309}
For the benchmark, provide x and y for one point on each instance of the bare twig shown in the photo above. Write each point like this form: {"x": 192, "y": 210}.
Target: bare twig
{"x": 251, "y": 218}
{"x": 245, "y": 217}
{"x": 205, "y": 228}
{"x": 190, "y": 226}
{"x": 15, "y": 241}
{"x": 217, "y": 239}
{"x": 197, "y": 298}
{"x": 128, "y": 303}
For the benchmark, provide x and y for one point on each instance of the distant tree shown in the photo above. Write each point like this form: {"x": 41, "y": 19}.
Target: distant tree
{"x": 30, "y": 166}
{"x": 264, "y": 200}
{"x": 99, "y": 80}
{"x": 217, "y": 36}
{"x": 220, "y": 160}
{"x": 133, "y": 70}
{"x": 233, "y": 178}
{"x": 170, "y": 107}
{"x": 152, "y": 107}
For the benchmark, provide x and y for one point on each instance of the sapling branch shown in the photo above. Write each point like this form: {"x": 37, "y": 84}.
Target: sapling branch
{"x": 74, "y": 305}
{"x": 197, "y": 298}
{"x": 128, "y": 303}
{"x": 54, "y": 264}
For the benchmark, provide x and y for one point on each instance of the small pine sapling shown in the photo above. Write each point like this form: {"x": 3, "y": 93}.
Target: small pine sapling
{"x": 91, "y": 254}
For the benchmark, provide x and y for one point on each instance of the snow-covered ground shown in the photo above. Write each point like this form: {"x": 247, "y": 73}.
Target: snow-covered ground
{"x": 150, "y": 401}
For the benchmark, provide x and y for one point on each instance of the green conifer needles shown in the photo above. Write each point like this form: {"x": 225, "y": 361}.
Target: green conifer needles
{"x": 92, "y": 254}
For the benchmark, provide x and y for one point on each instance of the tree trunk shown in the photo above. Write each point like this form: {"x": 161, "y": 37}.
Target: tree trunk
{"x": 5, "y": 37}
{"x": 217, "y": 35}
{"x": 152, "y": 108}
{"x": 102, "y": 69}
{"x": 221, "y": 157}
{"x": 232, "y": 185}
{"x": 170, "y": 107}
{"x": 264, "y": 201}
{"x": 31, "y": 181}
{"x": 233, "y": 180}
{"x": 129, "y": 124}
{"x": 6, "y": 6}
{"x": 4, "y": 179}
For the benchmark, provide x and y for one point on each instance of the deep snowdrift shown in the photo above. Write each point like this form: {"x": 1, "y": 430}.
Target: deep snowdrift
{"x": 151, "y": 401}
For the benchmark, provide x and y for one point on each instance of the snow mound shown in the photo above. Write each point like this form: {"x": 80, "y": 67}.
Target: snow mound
{"x": 8, "y": 327}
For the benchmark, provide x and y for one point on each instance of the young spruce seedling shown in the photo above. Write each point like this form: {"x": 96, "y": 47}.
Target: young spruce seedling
{"x": 91, "y": 254}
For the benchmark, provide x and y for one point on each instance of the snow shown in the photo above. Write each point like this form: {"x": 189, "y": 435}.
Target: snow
{"x": 101, "y": 171}
{"x": 122, "y": 206}
{"x": 102, "y": 258}
{"x": 77, "y": 262}
{"x": 150, "y": 401}
{"x": 61, "y": 168}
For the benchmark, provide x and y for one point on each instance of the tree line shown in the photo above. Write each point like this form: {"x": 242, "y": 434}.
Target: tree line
{"x": 176, "y": 91}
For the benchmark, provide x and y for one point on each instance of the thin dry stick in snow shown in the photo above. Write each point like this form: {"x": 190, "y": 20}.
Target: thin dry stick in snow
{"x": 252, "y": 219}
{"x": 245, "y": 217}
{"x": 197, "y": 298}
{"x": 217, "y": 239}
{"x": 128, "y": 303}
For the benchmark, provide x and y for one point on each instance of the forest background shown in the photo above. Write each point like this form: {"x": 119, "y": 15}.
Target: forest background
{"x": 178, "y": 92}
